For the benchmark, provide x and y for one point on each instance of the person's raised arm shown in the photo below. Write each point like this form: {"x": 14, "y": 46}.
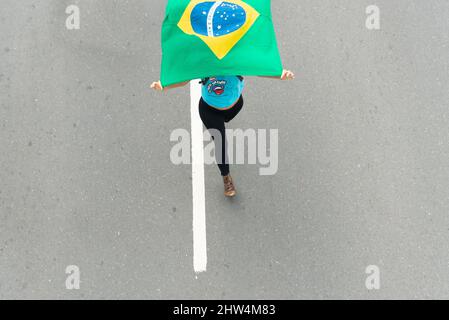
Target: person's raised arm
{"x": 286, "y": 75}
{"x": 158, "y": 86}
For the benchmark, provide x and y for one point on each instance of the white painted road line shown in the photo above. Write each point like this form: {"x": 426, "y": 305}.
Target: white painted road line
{"x": 198, "y": 190}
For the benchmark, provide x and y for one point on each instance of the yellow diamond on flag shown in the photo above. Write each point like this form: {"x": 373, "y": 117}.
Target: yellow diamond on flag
{"x": 220, "y": 24}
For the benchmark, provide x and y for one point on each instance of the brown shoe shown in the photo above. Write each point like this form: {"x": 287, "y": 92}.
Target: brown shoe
{"x": 229, "y": 189}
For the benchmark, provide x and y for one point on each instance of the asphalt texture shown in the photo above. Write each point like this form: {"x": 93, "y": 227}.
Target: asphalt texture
{"x": 363, "y": 174}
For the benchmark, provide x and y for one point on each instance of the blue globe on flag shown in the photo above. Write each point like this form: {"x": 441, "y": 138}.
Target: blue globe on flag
{"x": 219, "y": 24}
{"x": 215, "y": 19}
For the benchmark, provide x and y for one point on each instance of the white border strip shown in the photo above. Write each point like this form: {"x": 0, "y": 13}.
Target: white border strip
{"x": 210, "y": 18}
{"x": 198, "y": 190}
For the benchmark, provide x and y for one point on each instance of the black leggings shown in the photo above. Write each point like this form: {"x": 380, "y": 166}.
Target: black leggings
{"x": 215, "y": 119}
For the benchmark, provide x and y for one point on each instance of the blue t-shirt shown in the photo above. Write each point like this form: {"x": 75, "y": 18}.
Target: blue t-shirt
{"x": 222, "y": 91}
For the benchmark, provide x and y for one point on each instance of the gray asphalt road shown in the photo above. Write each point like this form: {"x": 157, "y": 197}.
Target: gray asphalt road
{"x": 86, "y": 178}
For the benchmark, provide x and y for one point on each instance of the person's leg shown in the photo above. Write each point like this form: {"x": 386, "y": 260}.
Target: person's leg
{"x": 234, "y": 111}
{"x": 214, "y": 119}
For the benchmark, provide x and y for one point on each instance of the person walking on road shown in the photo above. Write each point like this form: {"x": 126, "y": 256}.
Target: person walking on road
{"x": 221, "y": 100}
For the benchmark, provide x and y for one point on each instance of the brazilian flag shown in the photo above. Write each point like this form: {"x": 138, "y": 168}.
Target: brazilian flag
{"x": 202, "y": 38}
